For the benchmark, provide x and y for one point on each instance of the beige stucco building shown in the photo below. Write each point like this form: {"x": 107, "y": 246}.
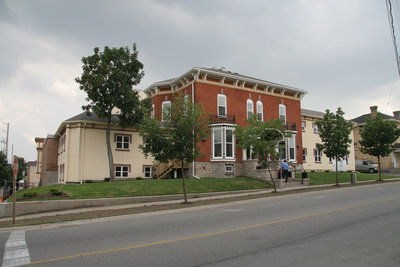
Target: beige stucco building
{"x": 389, "y": 163}
{"x": 32, "y": 177}
{"x": 82, "y": 151}
{"x": 313, "y": 159}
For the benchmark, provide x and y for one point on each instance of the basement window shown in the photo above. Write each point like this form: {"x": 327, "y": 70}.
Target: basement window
{"x": 229, "y": 168}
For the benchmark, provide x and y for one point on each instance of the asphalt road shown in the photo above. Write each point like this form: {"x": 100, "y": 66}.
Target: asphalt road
{"x": 355, "y": 226}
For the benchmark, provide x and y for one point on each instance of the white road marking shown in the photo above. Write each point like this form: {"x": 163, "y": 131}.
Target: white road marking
{"x": 232, "y": 210}
{"x": 16, "y": 251}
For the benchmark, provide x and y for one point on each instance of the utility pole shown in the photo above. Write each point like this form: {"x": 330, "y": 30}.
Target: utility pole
{"x": 8, "y": 131}
{"x": 4, "y": 140}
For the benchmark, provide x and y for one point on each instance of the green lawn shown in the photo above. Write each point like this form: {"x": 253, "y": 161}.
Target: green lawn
{"x": 319, "y": 178}
{"x": 148, "y": 188}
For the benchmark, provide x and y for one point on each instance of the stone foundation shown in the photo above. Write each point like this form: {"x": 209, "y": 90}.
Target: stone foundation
{"x": 245, "y": 168}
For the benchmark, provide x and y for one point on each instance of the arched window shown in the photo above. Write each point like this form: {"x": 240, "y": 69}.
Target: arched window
{"x": 260, "y": 113}
{"x": 250, "y": 108}
{"x": 282, "y": 112}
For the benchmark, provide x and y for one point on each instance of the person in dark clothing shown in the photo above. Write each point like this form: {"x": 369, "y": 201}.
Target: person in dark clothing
{"x": 285, "y": 170}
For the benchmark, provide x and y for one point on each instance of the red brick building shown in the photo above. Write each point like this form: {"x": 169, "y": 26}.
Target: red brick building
{"x": 231, "y": 98}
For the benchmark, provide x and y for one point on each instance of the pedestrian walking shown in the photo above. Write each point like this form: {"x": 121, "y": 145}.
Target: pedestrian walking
{"x": 284, "y": 170}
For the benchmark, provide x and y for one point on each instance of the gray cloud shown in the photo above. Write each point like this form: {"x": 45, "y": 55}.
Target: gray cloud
{"x": 340, "y": 51}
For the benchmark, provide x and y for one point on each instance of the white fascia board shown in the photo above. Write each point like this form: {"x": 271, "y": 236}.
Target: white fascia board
{"x": 227, "y": 75}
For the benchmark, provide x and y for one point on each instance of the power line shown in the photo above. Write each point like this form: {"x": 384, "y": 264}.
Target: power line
{"x": 390, "y": 18}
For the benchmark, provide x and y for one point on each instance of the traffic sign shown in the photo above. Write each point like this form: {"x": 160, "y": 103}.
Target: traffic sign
{"x": 15, "y": 166}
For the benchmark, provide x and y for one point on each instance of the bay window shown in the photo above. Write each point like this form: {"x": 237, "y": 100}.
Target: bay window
{"x": 223, "y": 142}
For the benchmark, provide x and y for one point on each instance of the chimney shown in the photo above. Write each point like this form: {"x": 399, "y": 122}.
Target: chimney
{"x": 374, "y": 110}
{"x": 396, "y": 115}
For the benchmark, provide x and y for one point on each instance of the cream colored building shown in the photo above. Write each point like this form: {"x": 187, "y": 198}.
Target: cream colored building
{"x": 82, "y": 151}
{"x": 32, "y": 177}
{"x": 389, "y": 163}
{"x": 313, "y": 159}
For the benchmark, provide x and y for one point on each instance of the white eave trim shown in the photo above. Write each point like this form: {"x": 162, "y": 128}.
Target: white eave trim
{"x": 195, "y": 72}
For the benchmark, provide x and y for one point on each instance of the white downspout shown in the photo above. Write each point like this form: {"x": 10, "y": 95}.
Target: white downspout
{"x": 83, "y": 152}
{"x": 194, "y": 160}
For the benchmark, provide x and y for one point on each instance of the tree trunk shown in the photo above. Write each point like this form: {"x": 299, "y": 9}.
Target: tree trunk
{"x": 379, "y": 169}
{"x": 109, "y": 151}
{"x": 272, "y": 179}
{"x": 337, "y": 175}
{"x": 183, "y": 184}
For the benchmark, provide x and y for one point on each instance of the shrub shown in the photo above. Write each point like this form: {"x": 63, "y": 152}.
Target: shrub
{"x": 88, "y": 181}
{"x": 107, "y": 179}
{"x": 139, "y": 178}
{"x": 55, "y": 192}
{"x": 29, "y": 194}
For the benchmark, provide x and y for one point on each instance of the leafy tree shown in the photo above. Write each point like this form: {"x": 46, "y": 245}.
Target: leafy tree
{"x": 335, "y": 136}
{"x": 108, "y": 78}
{"x": 6, "y": 172}
{"x": 262, "y": 138}
{"x": 185, "y": 124}
{"x": 21, "y": 168}
{"x": 378, "y": 137}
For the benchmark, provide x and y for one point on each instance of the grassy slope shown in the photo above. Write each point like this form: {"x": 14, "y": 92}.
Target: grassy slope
{"x": 319, "y": 178}
{"x": 149, "y": 187}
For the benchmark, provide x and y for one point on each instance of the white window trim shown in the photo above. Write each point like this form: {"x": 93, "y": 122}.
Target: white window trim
{"x": 249, "y": 108}
{"x": 163, "y": 109}
{"x": 229, "y": 168}
{"x": 223, "y": 144}
{"x": 303, "y": 126}
{"x": 317, "y": 154}
{"x": 122, "y": 171}
{"x": 219, "y": 104}
{"x": 292, "y": 144}
{"x": 304, "y": 155}
{"x": 282, "y": 111}
{"x": 260, "y": 109}
{"x": 151, "y": 172}
{"x": 122, "y": 142}
{"x": 152, "y": 111}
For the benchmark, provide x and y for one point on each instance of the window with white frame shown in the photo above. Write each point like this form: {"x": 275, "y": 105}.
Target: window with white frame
{"x": 250, "y": 108}
{"x": 229, "y": 168}
{"x": 221, "y": 105}
{"x": 315, "y": 126}
{"x": 166, "y": 107}
{"x": 122, "y": 141}
{"x": 247, "y": 153}
{"x": 229, "y": 143}
{"x": 292, "y": 148}
{"x": 259, "y": 108}
{"x": 121, "y": 171}
{"x": 282, "y": 150}
{"x": 303, "y": 126}
{"x": 282, "y": 112}
{"x": 147, "y": 171}
{"x": 304, "y": 154}
{"x": 223, "y": 143}
{"x": 217, "y": 138}
{"x": 152, "y": 111}
{"x": 317, "y": 155}
{"x": 186, "y": 103}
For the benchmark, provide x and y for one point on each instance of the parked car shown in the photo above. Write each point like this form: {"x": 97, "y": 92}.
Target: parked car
{"x": 366, "y": 165}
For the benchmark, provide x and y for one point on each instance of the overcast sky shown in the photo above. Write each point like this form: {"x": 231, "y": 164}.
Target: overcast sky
{"x": 341, "y": 52}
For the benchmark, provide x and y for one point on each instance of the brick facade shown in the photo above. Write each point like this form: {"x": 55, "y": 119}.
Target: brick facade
{"x": 204, "y": 85}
